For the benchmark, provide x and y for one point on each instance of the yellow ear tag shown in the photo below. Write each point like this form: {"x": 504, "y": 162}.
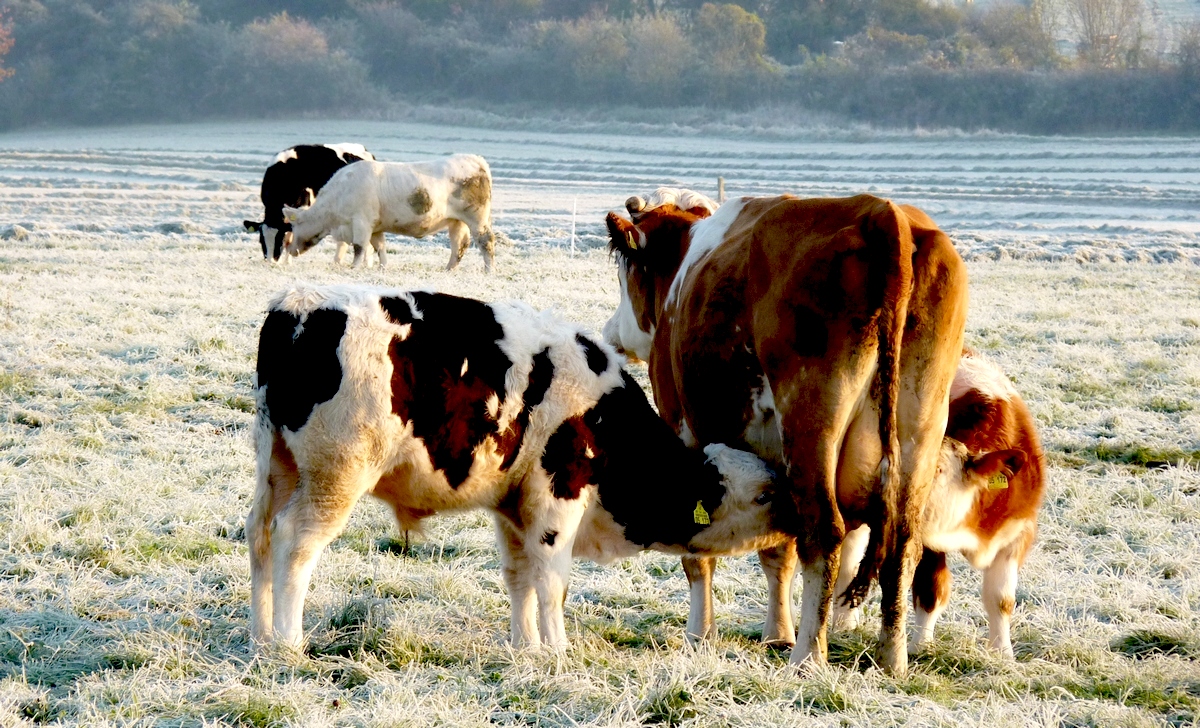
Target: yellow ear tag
{"x": 700, "y": 515}
{"x": 999, "y": 481}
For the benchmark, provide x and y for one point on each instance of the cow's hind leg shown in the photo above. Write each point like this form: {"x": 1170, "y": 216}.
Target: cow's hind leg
{"x": 378, "y": 243}
{"x": 519, "y": 578}
{"x": 277, "y": 479}
{"x": 930, "y": 595}
{"x": 485, "y": 240}
{"x": 847, "y": 609}
{"x": 315, "y": 515}
{"x": 460, "y": 239}
{"x": 779, "y": 566}
{"x": 699, "y": 571}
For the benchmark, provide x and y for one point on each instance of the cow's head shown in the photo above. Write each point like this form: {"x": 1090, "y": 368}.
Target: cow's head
{"x": 649, "y": 249}
{"x": 305, "y": 231}
{"x": 274, "y": 240}
{"x": 962, "y": 471}
{"x": 276, "y": 237}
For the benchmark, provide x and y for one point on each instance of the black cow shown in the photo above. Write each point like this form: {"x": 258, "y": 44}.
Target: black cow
{"x": 294, "y": 179}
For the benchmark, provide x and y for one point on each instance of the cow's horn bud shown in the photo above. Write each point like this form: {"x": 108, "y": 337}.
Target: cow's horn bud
{"x": 635, "y": 204}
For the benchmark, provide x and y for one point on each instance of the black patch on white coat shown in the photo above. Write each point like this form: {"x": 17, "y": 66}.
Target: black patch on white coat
{"x": 298, "y": 364}
{"x": 647, "y": 479}
{"x": 540, "y": 376}
{"x": 596, "y": 358}
{"x": 448, "y": 408}
{"x": 288, "y": 183}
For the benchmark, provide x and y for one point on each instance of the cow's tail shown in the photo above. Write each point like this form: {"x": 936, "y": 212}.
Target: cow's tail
{"x": 889, "y": 235}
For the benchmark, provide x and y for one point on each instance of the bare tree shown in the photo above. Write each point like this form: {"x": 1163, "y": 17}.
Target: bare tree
{"x": 1108, "y": 33}
{"x": 6, "y": 44}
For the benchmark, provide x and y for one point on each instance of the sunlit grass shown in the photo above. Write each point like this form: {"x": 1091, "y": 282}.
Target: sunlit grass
{"x": 126, "y": 471}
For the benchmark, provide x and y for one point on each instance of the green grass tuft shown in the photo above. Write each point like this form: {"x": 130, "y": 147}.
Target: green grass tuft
{"x": 1145, "y": 643}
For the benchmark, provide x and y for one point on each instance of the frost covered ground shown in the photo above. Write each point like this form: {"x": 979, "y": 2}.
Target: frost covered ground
{"x": 129, "y": 307}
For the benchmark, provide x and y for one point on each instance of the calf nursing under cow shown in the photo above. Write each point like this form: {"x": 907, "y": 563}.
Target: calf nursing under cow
{"x": 993, "y": 526}
{"x": 850, "y": 315}
{"x": 436, "y": 403}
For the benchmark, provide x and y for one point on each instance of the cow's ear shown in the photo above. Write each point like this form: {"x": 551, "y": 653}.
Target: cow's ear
{"x": 289, "y": 213}
{"x": 623, "y": 235}
{"x": 1006, "y": 463}
{"x": 252, "y": 226}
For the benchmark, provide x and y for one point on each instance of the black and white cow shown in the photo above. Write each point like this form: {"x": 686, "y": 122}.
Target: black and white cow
{"x": 294, "y": 179}
{"x": 437, "y": 403}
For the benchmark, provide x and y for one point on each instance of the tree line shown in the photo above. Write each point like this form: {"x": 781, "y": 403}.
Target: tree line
{"x": 1026, "y": 65}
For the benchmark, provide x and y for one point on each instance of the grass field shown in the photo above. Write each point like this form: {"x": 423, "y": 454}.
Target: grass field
{"x": 129, "y": 307}
{"x": 126, "y": 472}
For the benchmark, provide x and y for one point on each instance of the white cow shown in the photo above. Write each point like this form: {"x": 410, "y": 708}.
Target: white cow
{"x": 363, "y": 201}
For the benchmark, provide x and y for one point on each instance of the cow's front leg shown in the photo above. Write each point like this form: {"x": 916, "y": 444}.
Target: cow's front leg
{"x": 699, "y": 571}
{"x": 339, "y": 257}
{"x": 930, "y": 595}
{"x": 360, "y": 237}
{"x": 999, "y": 600}
{"x": 779, "y": 566}
{"x": 377, "y": 242}
{"x": 519, "y": 578}
{"x": 553, "y": 558}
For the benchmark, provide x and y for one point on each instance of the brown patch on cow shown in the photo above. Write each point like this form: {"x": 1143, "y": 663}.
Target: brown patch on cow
{"x": 475, "y": 190}
{"x": 283, "y": 475}
{"x": 568, "y": 456}
{"x": 419, "y": 201}
{"x": 1007, "y": 605}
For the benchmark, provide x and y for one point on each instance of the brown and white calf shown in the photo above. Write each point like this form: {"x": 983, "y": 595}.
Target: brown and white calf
{"x": 823, "y": 336}
{"x": 437, "y": 403}
{"x": 989, "y": 515}
{"x": 364, "y": 200}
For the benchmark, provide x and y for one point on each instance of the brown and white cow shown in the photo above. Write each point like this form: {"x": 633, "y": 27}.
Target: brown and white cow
{"x": 823, "y": 335}
{"x": 994, "y": 450}
{"x": 437, "y": 403}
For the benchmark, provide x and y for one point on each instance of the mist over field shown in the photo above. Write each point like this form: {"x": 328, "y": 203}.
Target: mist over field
{"x": 130, "y": 301}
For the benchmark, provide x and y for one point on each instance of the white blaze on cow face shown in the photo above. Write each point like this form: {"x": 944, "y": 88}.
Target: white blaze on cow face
{"x": 622, "y": 330}
{"x": 275, "y": 242}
